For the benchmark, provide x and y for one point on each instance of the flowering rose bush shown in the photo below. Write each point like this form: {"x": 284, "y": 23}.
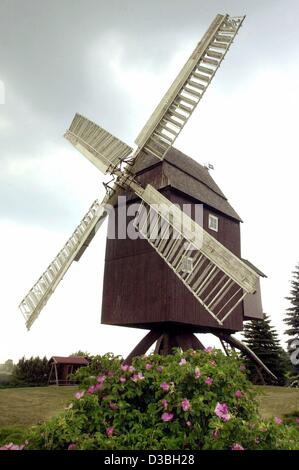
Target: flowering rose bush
{"x": 191, "y": 400}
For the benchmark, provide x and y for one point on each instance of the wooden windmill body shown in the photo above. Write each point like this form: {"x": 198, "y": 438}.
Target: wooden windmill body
{"x": 192, "y": 280}
{"x": 141, "y": 291}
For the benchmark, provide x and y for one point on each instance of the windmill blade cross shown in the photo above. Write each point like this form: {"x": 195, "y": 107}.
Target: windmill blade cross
{"x": 40, "y": 293}
{"x": 176, "y": 107}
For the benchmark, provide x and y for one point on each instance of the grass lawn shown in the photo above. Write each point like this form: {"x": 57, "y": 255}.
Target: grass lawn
{"x": 278, "y": 401}
{"x": 23, "y": 407}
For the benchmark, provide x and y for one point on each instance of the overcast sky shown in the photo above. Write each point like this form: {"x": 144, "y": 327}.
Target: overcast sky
{"x": 112, "y": 61}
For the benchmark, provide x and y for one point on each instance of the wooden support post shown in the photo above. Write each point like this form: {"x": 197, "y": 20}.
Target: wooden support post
{"x": 56, "y": 374}
{"x": 143, "y": 345}
{"x": 246, "y": 350}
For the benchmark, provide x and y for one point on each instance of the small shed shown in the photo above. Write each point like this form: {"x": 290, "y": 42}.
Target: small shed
{"x": 63, "y": 367}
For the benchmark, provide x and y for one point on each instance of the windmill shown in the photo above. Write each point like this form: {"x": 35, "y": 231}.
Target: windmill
{"x": 213, "y": 281}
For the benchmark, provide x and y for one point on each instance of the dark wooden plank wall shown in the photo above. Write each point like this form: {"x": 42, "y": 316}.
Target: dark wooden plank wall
{"x": 140, "y": 290}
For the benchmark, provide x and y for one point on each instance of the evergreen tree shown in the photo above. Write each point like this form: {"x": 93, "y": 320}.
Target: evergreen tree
{"x": 262, "y": 338}
{"x": 292, "y": 314}
{"x": 31, "y": 372}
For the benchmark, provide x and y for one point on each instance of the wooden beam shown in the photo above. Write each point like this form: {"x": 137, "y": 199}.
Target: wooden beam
{"x": 143, "y": 345}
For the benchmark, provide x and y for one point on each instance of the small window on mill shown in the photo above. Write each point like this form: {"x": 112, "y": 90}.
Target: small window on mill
{"x": 213, "y": 222}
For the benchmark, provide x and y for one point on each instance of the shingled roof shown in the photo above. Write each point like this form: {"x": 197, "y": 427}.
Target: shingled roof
{"x": 186, "y": 175}
{"x": 71, "y": 360}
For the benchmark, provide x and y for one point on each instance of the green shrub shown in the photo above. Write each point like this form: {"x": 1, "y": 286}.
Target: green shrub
{"x": 33, "y": 372}
{"x": 191, "y": 400}
{"x": 5, "y": 379}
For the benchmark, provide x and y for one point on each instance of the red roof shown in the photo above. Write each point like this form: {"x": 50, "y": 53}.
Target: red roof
{"x": 70, "y": 360}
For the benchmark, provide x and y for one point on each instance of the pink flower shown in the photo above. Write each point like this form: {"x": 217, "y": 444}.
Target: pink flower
{"x": 208, "y": 381}
{"x": 160, "y": 369}
{"x": 215, "y": 433}
{"x": 222, "y": 411}
{"x": 278, "y": 421}
{"x": 297, "y": 420}
{"x": 91, "y": 389}
{"x": 98, "y": 387}
{"x": 197, "y": 373}
{"x": 124, "y": 367}
{"x": 148, "y": 366}
{"x": 165, "y": 386}
{"x": 72, "y": 447}
{"x": 113, "y": 406}
{"x": 185, "y": 404}
{"x": 79, "y": 394}
{"x": 167, "y": 416}
{"x": 238, "y": 394}
{"x": 122, "y": 379}
{"x": 242, "y": 367}
{"x": 164, "y": 404}
{"x": 109, "y": 431}
{"x": 182, "y": 362}
{"x": 110, "y": 373}
{"x": 101, "y": 378}
{"x": 189, "y": 424}
{"x": 209, "y": 349}
{"x": 137, "y": 377}
{"x": 12, "y": 446}
{"x": 237, "y": 446}
{"x": 131, "y": 369}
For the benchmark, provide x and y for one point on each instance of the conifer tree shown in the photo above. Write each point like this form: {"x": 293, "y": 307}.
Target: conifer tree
{"x": 292, "y": 321}
{"x": 292, "y": 314}
{"x": 262, "y": 338}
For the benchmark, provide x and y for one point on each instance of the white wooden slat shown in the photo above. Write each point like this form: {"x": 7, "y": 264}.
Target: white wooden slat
{"x": 99, "y": 146}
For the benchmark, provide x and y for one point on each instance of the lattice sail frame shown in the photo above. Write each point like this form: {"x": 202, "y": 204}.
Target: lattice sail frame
{"x": 178, "y": 104}
{"x": 100, "y": 147}
{"x": 216, "y": 277}
{"x": 39, "y": 294}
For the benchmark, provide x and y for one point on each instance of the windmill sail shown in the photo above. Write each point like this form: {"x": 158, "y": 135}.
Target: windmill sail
{"x": 40, "y": 293}
{"x": 99, "y": 146}
{"x": 215, "y": 276}
{"x": 174, "y": 110}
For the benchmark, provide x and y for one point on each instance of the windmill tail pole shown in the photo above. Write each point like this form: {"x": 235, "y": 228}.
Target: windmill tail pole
{"x": 234, "y": 342}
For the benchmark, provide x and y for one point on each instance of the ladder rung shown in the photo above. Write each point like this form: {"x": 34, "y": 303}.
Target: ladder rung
{"x": 205, "y": 70}
{"x": 192, "y": 92}
{"x": 181, "y": 106}
{"x": 168, "y": 129}
{"x": 154, "y": 152}
{"x": 187, "y": 100}
{"x": 198, "y": 85}
{"x": 178, "y": 115}
{"x": 219, "y": 45}
{"x": 210, "y": 61}
{"x": 204, "y": 78}
{"x": 216, "y": 55}
{"x": 163, "y": 136}
{"x": 168, "y": 119}
{"x": 223, "y": 38}
{"x": 226, "y": 29}
{"x": 163, "y": 145}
